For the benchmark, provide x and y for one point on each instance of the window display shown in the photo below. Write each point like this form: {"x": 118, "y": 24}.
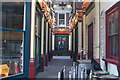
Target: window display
{"x": 112, "y": 34}
{"x": 11, "y": 38}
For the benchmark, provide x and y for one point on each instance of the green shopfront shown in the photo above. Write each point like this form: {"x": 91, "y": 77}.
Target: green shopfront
{"x": 14, "y": 39}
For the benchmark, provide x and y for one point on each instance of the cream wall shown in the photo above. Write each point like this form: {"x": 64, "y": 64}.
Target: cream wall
{"x": 85, "y": 49}
{"x": 79, "y": 37}
{"x": 103, "y": 7}
{"x": 93, "y": 16}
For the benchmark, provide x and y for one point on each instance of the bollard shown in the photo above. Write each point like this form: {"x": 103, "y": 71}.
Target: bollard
{"x": 73, "y": 74}
{"x": 64, "y": 72}
{"x": 59, "y": 75}
{"x": 90, "y": 75}
{"x": 76, "y": 71}
{"x": 79, "y": 71}
{"x": 82, "y": 74}
{"x": 70, "y": 76}
{"x": 85, "y": 73}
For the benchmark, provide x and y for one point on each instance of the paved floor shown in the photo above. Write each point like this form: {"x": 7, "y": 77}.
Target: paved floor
{"x": 55, "y": 66}
{"x": 61, "y": 57}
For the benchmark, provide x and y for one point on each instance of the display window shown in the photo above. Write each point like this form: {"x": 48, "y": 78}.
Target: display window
{"x": 11, "y": 38}
{"x": 112, "y": 34}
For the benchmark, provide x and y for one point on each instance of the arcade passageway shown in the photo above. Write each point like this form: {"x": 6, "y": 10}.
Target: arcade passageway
{"x": 60, "y": 39}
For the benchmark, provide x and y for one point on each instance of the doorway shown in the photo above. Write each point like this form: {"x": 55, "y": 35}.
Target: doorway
{"x": 61, "y": 44}
{"x": 90, "y": 41}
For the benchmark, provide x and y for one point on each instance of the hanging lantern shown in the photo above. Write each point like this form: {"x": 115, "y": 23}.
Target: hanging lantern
{"x": 75, "y": 21}
{"x": 71, "y": 26}
{"x": 47, "y": 15}
{"x": 50, "y": 21}
{"x": 43, "y": 6}
{"x": 80, "y": 16}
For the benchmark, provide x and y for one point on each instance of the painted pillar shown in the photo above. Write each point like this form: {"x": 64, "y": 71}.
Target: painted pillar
{"x": 53, "y": 42}
{"x": 76, "y": 40}
{"x": 32, "y": 60}
{"x": 80, "y": 39}
{"x": 46, "y": 63}
{"x": 73, "y": 40}
{"x": 70, "y": 45}
{"x": 42, "y": 46}
{"x": 96, "y": 32}
{"x": 85, "y": 50}
{"x": 74, "y": 54}
{"x": 50, "y": 49}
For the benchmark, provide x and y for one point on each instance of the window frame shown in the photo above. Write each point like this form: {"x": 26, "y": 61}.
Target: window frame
{"x": 26, "y": 42}
{"x": 64, "y": 19}
{"x": 109, "y": 58}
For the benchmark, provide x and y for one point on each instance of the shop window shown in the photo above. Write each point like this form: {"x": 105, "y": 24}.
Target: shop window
{"x": 61, "y": 19}
{"x": 112, "y": 33}
{"x": 12, "y": 38}
{"x": 38, "y": 38}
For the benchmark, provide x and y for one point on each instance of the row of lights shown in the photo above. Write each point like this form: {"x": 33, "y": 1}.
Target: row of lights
{"x": 77, "y": 17}
{"x": 79, "y": 14}
{"x": 46, "y": 11}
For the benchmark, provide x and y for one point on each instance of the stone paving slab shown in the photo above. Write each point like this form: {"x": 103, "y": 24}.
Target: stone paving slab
{"x": 55, "y": 66}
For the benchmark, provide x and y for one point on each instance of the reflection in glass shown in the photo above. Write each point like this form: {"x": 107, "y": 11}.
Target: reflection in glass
{"x": 11, "y": 40}
{"x": 114, "y": 46}
{"x": 12, "y": 15}
{"x": 61, "y": 19}
{"x": 113, "y": 22}
{"x": 113, "y": 33}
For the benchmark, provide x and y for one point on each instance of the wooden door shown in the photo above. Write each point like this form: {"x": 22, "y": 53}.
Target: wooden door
{"x": 61, "y": 45}
{"x": 90, "y": 41}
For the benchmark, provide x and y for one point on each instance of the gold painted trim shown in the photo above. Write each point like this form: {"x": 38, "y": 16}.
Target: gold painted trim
{"x": 112, "y": 10}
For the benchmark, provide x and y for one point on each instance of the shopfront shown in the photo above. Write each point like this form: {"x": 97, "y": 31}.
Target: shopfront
{"x": 37, "y": 38}
{"x": 14, "y": 39}
{"x": 61, "y": 44}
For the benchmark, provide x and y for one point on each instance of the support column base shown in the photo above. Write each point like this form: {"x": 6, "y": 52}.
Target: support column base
{"x": 78, "y": 57}
{"x": 46, "y": 63}
{"x": 42, "y": 63}
{"x": 31, "y": 72}
{"x": 49, "y": 56}
{"x": 52, "y": 54}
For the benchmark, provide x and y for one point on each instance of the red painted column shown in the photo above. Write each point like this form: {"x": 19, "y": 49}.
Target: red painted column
{"x": 31, "y": 72}
{"x": 78, "y": 57}
{"x": 52, "y": 53}
{"x": 46, "y": 63}
{"x": 49, "y": 57}
{"x": 42, "y": 63}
